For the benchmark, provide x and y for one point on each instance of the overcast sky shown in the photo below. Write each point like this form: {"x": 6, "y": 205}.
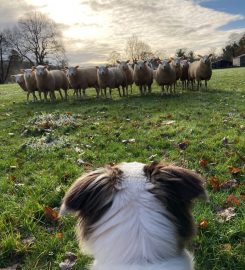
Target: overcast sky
{"x": 94, "y": 28}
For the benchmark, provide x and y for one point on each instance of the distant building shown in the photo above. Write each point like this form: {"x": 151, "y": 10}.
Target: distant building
{"x": 222, "y": 64}
{"x": 239, "y": 61}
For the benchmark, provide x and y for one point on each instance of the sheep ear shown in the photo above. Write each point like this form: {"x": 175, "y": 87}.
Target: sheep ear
{"x": 118, "y": 61}
{"x": 91, "y": 194}
{"x": 181, "y": 184}
{"x": 33, "y": 67}
{"x": 66, "y": 67}
{"x": 145, "y": 61}
{"x": 210, "y": 55}
{"x": 76, "y": 67}
{"x": 127, "y": 61}
{"x": 169, "y": 61}
{"x": 200, "y": 56}
{"x": 97, "y": 67}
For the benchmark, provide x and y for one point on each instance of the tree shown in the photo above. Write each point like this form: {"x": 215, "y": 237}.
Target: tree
{"x": 7, "y": 57}
{"x": 37, "y": 39}
{"x": 235, "y": 47}
{"x": 191, "y": 56}
{"x": 113, "y": 57}
{"x": 180, "y": 52}
{"x": 137, "y": 49}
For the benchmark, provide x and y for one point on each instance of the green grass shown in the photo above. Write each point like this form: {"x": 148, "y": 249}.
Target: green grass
{"x": 34, "y": 174}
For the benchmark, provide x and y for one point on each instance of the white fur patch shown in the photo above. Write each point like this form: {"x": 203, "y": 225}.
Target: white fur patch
{"x": 135, "y": 230}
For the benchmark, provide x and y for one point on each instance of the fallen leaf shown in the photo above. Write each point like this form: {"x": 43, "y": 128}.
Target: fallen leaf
{"x": 51, "y": 213}
{"x": 12, "y": 178}
{"x": 183, "y": 145}
{"x": 242, "y": 195}
{"x": 215, "y": 183}
{"x": 230, "y": 184}
{"x": 203, "y": 224}
{"x": 59, "y": 235}
{"x": 226, "y": 247}
{"x": 169, "y": 115}
{"x": 226, "y": 214}
{"x": 234, "y": 170}
{"x": 168, "y": 123}
{"x": 203, "y": 162}
{"x": 233, "y": 200}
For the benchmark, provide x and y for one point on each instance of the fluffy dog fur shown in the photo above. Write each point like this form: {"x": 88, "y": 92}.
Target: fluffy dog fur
{"x": 135, "y": 216}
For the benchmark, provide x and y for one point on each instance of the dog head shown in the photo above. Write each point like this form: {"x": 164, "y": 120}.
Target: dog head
{"x": 140, "y": 211}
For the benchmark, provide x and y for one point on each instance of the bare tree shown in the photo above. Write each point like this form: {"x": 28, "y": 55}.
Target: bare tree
{"x": 113, "y": 57}
{"x": 37, "y": 38}
{"x": 7, "y": 57}
{"x": 181, "y": 52}
{"x": 137, "y": 49}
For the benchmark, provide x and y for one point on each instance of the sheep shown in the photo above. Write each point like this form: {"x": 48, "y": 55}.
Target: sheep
{"x": 165, "y": 75}
{"x": 184, "y": 65}
{"x": 176, "y": 66}
{"x": 128, "y": 71}
{"x": 19, "y": 78}
{"x": 143, "y": 76}
{"x": 45, "y": 81}
{"x": 61, "y": 82}
{"x": 30, "y": 82}
{"x": 200, "y": 70}
{"x": 111, "y": 77}
{"x": 154, "y": 62}
{"x": 82, "y": 78}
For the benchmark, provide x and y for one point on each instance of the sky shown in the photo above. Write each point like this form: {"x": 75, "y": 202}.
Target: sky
{"x": 94, "y": 28}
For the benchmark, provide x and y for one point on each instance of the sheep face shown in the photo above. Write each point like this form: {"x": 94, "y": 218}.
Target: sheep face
{"x": 123, "y": 65}
{"x": 176, "y": 62}
{"x": 102, "y": 70}
{"x": 41, "y": 70}
{"x": 72, "y": 71}
{"x": 164, "y": 65}
{"x": 184, "y": 63}
{"x": 19, "y": 78}
{"x": 28, "y": 73}
{"x": 140, "y": 65}
{"x": 205, "y": 59}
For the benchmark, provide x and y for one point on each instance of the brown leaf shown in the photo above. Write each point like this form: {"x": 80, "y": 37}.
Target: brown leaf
{"x": 203, "y": 162}
{"x": 242, "y": 195}
{"x": 59, "y": 235}
{"x": 183, "y": 145}
{"x": 226, "y": 214}
{"x": 203, "y": 224}
{"x": 233, "y": 200}
{"x": 215, "y": 183}
{"x": 234, "y": 170}
{"x": 230, "y": 184}
{"x": 50, "y": 213}
{"x": 169, "y": 115}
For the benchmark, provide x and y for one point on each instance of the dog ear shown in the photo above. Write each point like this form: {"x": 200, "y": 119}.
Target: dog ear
{"x": 91, "y": 194}
{"x": 176, "y": 188}
{"x": 185, "y": 185}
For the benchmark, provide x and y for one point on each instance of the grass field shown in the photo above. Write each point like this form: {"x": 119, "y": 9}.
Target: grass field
{"x": 44, "y": 147}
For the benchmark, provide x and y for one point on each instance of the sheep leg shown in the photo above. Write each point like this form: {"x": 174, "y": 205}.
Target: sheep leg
{"x": 123, "y": 91}
{"x": 45, "y": 96}
{"x": 140, "y": 87}
{"x": 149, "y": 89}
{"x": 84, "y": 93}
{"x": 131, "y": 86}
{"x": 27, "y": 96}
{"x": 198, "y": 85}
{"x": 206, "y": 85}
{"x": 80, "y": 93}
{"x": 162, "y": 87}
{"x": 127, "y": 90}
{"x": 34, "y": 96}
{"x": 40, "y": 95}
{"x": 110, "y": 92}
{"x": 61, "y": 96}
{"x": 97, "y": 92}
{"x": 66, "y": 95}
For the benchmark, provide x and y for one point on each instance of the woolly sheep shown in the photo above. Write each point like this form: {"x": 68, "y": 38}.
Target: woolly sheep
{"x": 184, "y": 65}
{"x": 200, "y": 70}
{"x": 61, "y": 82}
{"x": 165, "y": 75}
{"x": 30, "y": 82}
{"x": 143, "y": 76}
{"x": 176, "y": 66}
{"x": 82, "y": 78}
{"x": 45, "y": 81}
{"x": 128, "y": 71}
{"x": 19, "y": 78}
{"x": 111, "y": 77}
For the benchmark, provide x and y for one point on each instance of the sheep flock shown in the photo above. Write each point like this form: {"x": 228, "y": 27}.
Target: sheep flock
{"x": 39, "y": 79}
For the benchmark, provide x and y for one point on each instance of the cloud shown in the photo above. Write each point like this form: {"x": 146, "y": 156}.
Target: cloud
{"x": 94, "y": 28}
